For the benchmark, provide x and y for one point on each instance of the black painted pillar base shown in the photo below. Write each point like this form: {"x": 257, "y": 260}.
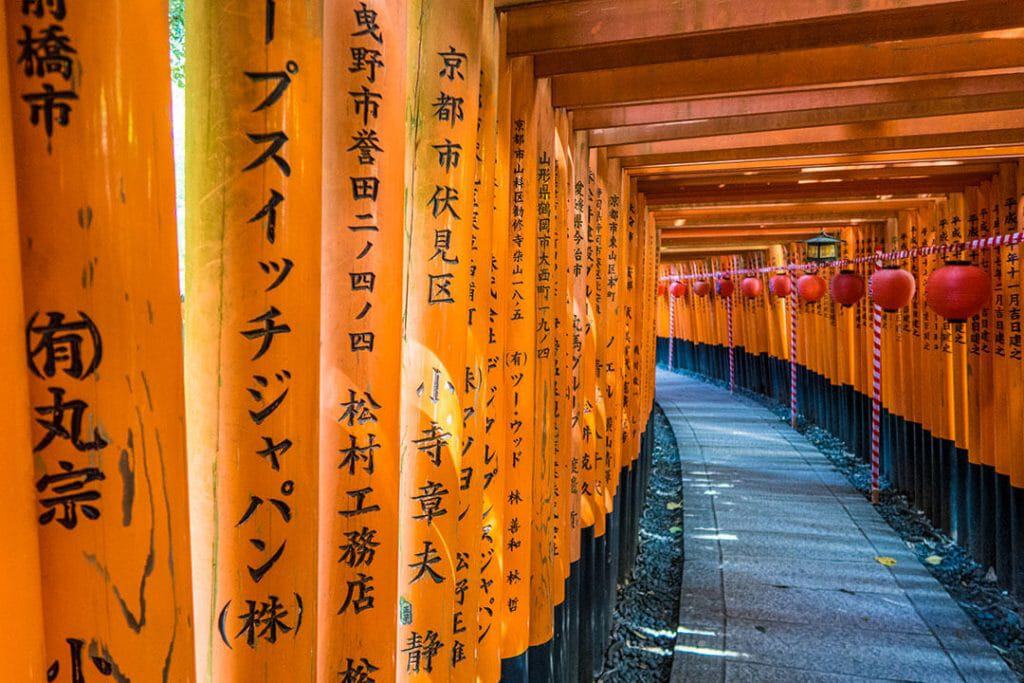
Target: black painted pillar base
{"x": 541, "y": 663}
{"x": 586, "y": 609}
{"x": 600, "y": 595}
{"x": 572, "y": 621}
{"x": 515, "y": 670}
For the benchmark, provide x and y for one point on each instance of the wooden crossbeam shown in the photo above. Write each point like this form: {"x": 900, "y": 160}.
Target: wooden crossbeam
{"x": 586, "y": 35}
{"x": 977, "y": 54}
{"x": 832, "y": 116}
{"x": 704, "y": 194}
{"x": 907, "y": 157}
{"x": 878, "y": 172}
{"x": 828, "y": 98}
{"x": 941, "y": 145}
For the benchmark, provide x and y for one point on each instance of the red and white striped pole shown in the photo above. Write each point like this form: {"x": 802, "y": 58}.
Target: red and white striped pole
{"x": 793, "y": 305}
{"x": 876, "y": 392}
{"x": 671, "y": 329}
{"x": 732, "y": 350}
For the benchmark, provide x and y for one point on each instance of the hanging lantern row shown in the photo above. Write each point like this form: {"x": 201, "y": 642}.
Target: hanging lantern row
{"x": 900, "y": 255}
{"x": 957, "y": 291}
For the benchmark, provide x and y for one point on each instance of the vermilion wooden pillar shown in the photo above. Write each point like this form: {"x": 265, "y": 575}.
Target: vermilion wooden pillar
{"x": 520, "y": 365}
{"x": 22, "y": 651}
{"x": 361, "y": 335}
{"x": 444, "y": 77}
{"x": 95, "y": 186}
{"x": 253, "y": 257}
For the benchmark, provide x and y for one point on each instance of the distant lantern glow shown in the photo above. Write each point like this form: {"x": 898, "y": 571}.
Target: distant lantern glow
{"x": 822, "y": 248}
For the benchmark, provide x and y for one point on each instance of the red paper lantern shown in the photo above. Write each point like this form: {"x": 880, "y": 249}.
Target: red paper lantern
{"x": 781, "y": 285}
{"x": 811, "y": 287}
{"x": 892, "y": 288}
{"x": 847, "y": 287}
{"x": 677, "y": 289}
{"x": 701, "y": 287}
{"x": 725, "y": 287}
{"x": 957, "y": 291}
{"x": 662, "y": 289}
{"x": 751, "y": 287}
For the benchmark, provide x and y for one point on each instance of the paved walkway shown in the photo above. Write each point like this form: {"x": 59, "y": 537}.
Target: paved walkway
{"x": 780, "y": 581}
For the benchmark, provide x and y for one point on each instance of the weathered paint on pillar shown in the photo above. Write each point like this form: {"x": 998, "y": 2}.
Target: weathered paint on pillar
{"x": 520, "y": 362}
{"x": 581, "y": 405}
{"x": 22, "y": 649}
{"x": 444, "y": 75}
{"x": 361, "y": 336}
{"x": 562, "y": 324}
{"x": 253, "y": 258}
{"x": 479, "y": 466}
{"x": 95, "y": 186}
{"x": 542, "y": 574}
{"x": 496, "y": 443}
{"x": 594, "y": 351}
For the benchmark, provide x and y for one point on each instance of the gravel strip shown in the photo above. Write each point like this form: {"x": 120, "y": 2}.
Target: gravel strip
{"x": 644, "y": 625}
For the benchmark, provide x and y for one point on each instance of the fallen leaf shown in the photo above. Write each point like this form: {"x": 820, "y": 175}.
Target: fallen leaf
{"x": 673, "y": 506}
{"x": 933, "y": 560}
{"x": 676, "y": 529}
{"x": 885, "y": 561}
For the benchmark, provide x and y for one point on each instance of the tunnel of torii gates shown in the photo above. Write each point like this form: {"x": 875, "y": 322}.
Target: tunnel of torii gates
{"x": 396, "y": 424}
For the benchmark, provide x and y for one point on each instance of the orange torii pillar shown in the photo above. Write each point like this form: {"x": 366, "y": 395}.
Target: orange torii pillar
{"x": 496, "y": 88}
{"x": 519, "y": 377}
{"x": 479, "y": 466}
{"x": 252, "y": 275}
{"x": 542, "y": 563}
{"x": 95, "y": 195}
{"x": 22, "y": 651}
{"x": 361, "y": 336}
{"x": 444, "y": 76}
{"x": 576, "y": 302}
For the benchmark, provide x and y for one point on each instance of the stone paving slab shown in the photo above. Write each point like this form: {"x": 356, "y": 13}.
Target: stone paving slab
{"x": 780, "y": 581}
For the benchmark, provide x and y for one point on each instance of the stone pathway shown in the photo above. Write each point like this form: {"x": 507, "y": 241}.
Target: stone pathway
{"x": 780, "y": 580}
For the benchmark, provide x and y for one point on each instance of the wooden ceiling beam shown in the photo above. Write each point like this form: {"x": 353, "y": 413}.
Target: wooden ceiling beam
{"x": 977, "y": 54}
{"x": 827, "y": 161}
{"x": 587, "y": 35}
{"x": 994, "y": 143}
{"x": 749, "y": 213}
{"x": 929, "y": 88}
{"x": 833, "y": 116}
{"x": 771, "y": 176}
{"x": 826, "y": 190}
{"x": 951, "y": 124}
{"x": 675, "y": 234}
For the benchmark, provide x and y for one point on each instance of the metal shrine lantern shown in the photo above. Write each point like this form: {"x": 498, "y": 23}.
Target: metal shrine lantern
{"x": 892, "y": 288}
{"x": 847, "y": 287}
{"x": 677, "y": 289}
{"x": 811, "y": 287}
{"x": 957, "y": 291}
{"x": 725, "y": 287}
{"x": 823, "y": 248}
{"x": 781, "y": 285}
{"x": 701, "y": 287}
{"x": 751, "y": 287}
